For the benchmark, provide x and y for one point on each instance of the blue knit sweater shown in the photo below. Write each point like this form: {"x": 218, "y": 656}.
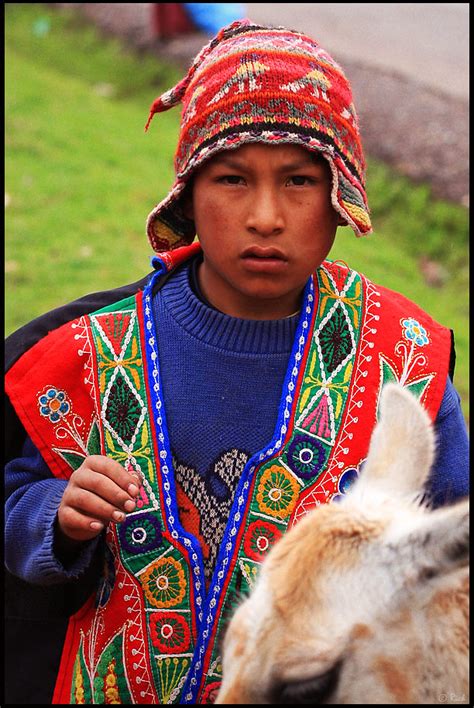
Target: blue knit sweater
{"x": 222, "y": 379}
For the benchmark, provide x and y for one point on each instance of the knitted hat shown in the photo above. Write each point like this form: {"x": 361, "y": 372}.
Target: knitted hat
{"x": 253, "y": 83}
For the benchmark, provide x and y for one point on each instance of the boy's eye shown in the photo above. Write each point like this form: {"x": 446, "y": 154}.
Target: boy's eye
{"x": 231, "y": 179}
{"x": 300, "y": 180}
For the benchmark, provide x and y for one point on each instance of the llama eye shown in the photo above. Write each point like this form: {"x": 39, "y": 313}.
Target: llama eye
{"x": 314, "y": 690}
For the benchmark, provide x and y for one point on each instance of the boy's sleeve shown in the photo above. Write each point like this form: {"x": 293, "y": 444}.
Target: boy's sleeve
{"x": 449, "y": 478}
{"x": 32, "y": 497}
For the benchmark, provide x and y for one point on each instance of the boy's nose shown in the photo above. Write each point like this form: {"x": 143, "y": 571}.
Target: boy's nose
{"x": 265, "y": 215}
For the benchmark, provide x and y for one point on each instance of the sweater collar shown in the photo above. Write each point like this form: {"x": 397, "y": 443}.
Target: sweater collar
{"x": 184, "y": 301}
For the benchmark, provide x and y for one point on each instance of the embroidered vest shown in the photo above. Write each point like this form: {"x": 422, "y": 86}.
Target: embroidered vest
{"x": 150, "y": 633}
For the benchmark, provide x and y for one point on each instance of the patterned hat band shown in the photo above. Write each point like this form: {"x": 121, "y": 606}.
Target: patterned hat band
{"x": 255, "y": 84}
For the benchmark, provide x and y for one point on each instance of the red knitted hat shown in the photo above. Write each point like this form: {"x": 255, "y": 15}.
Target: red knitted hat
{"x": 253, "y": 83}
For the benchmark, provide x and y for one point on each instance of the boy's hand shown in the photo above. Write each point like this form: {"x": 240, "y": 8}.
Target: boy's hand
{"x": 98, "y": 492}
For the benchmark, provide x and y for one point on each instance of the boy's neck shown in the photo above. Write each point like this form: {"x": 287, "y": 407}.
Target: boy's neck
{"x": 185, "y": 304}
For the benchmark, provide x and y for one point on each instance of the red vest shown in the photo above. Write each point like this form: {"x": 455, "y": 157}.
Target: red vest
{"x": 92, "y": 386}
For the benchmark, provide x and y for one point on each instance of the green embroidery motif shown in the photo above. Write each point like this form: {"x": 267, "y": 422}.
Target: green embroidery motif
{"x": 146, "y": 550}
{"x": 124, "y": 410}
{"x": 121, "y": 384}
{"x": 330, "y": 361}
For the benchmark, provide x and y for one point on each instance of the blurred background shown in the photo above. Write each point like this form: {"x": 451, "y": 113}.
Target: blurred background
{"x": 82, "y": 176}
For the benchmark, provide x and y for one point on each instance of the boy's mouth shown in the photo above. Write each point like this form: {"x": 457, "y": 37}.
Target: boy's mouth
{"x": 264, "y": 259}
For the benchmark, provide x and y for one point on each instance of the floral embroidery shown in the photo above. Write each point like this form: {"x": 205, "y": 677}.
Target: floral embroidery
{"x": 140, "y": 533}
{"x": 306, "y": 457}
{"x": 415, "y": 332}
{"x": 261, "y": 536}
{"x": 53, "y": 404}
{"x": 277, "y": 492}
{"x": 164, "y": 582}
{"x": 414, "y": 337}
{"x": 170, "y": 633}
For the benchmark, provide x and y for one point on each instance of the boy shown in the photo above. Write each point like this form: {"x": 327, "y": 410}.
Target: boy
{"x": 176, "y": 428}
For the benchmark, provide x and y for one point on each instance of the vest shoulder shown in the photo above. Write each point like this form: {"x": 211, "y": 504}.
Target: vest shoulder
{"x": 340, "y": 272}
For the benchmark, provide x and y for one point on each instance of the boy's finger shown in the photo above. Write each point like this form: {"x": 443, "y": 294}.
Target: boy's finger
{"x": 102, "y": 487}
{"x": 114, "y": 471}
{"x": 79, "y": 526}
{"x": 88, "y": 503}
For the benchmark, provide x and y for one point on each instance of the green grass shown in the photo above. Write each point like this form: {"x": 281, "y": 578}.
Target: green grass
{"x": 81, "y": 174}
{"x": 81, "y": 177}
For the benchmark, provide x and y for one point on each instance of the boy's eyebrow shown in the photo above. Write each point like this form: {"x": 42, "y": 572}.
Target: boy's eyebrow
{"x": 229, "y": 161}
{"x": 234, "y": 162}
{"x": 302, "y": 163}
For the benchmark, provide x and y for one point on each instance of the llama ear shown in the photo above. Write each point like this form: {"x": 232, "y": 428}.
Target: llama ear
{"x": 438, "y": 544}
{"x": 401, "y": 449}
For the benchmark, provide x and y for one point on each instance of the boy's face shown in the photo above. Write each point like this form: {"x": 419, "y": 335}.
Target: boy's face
{"x": 265, "y": 221}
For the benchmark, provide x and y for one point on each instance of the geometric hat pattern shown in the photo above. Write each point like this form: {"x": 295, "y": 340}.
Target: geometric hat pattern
{"x": 253, "y": 83}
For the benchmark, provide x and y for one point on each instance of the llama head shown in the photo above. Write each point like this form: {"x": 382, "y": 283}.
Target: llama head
{"x": 333, "y": 616}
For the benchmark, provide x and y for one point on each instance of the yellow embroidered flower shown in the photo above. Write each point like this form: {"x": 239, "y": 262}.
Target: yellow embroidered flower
{"x": 164, "y": 582}
{"x": 277, "y": 492}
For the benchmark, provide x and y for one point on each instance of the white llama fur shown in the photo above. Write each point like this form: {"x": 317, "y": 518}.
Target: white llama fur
{"x": 364, "y": 601}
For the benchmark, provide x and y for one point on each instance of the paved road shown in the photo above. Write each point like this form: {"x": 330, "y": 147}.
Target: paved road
{"x": 428, "y": 42}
